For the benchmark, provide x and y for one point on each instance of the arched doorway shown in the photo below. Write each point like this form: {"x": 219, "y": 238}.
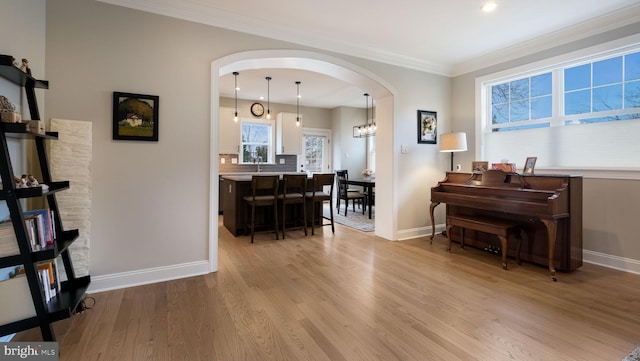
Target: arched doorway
{"x": 386, "y": 210}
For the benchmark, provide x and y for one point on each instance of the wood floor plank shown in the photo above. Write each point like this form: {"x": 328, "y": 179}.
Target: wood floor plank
{"x": 352, "y": 296}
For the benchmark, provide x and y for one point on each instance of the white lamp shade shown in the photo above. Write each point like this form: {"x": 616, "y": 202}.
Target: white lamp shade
{"x": 453, "y": 142}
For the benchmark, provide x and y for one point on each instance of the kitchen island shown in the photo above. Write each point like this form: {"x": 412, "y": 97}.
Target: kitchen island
{"x": 236, "y": 186}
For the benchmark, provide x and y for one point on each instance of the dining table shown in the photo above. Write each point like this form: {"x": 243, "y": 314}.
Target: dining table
{"x": 368, "y": 183}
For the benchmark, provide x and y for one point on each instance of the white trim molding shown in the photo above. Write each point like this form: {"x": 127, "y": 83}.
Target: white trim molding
{"x": 610, "y": 261}
{"x": 146, "y": 276}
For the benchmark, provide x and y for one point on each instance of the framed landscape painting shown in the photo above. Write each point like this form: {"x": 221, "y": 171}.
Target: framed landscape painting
{"x": 135, "y": 116}
{"x": 427, "y": 126}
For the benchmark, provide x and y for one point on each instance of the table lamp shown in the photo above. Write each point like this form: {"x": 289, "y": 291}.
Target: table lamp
{"x": 453, "y": 142}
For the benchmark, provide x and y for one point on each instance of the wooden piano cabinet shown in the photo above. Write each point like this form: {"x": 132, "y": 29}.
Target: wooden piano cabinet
{"x": 529, "y": 200}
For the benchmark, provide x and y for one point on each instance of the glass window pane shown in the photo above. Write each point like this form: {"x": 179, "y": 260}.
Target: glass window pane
{"x": 541, "y": 85}
{"x": 632, "y": 94}
{"x": 607, "y": 98}
{"x": 500, "y": 114}
{"x": 578, "y": 77}
{"x": 632, "y": 66}
{"x": 607, "y": 71}
{"x": 541, "y": 107}
{"x": 519, "y": 111}
{"x": 255, "y": 133}
{"x": 500, "y": 93}
{"x": 519, "y": 89}
{"x": 577, "y": 102}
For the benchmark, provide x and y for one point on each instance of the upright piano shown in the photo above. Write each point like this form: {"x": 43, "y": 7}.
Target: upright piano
{"x": 548, "y": 208}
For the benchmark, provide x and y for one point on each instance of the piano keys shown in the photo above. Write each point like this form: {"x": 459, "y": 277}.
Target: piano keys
{"x": 547, "y": 207}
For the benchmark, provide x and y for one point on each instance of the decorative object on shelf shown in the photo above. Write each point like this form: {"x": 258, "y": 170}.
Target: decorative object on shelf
{"x": 36, "y": 126}
{"x": 453, "y": 142}
{"x": 427, "y": 127}
{"x": 235, "y": 89}
{"x": 135, "y": 116}
{"x": 529, "y": 164}
{"x": 368, "y": 129}
{"x": 298, "y": 104}
{"x": 8, "y": 111}
{"x": 268, "y": 97}
{"x": 25, "y": 66}
{"x": 479, "y": 166}
{"x": 504, "y": 166}
{"x": 257, "y": 109}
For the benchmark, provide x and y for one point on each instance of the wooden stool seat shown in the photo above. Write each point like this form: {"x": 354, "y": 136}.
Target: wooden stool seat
{"x": 500, "y": 228}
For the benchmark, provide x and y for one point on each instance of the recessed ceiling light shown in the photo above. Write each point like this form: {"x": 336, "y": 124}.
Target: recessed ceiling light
{"x": 489, "y": 6}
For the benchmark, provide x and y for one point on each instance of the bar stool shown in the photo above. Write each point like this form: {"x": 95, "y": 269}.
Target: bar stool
{"x": 264, "y": 193}
{"x": 318, "y": 196}
{"x": 293, "y": 192}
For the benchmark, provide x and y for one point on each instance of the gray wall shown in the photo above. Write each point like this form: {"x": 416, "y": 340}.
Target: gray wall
{"x": 150, "y": 205}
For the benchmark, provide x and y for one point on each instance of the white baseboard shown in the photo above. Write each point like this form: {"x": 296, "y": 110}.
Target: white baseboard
{"x": 602, "y": 259}
{"x": 146, "y": 276}
{"x": 610, "y": 261}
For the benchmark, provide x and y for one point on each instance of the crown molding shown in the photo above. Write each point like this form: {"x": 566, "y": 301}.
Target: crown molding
{"x": 205, "y": 14}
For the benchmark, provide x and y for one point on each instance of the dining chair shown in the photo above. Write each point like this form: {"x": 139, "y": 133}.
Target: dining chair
{"x": 293, "y": 193}
{"x": 344, "y": 194}
{"x": 264, "y": 192}
{"x": 345, "y": 173}
{"x": 317, "y": 196}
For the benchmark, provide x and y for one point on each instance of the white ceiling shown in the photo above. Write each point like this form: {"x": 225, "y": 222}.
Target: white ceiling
{"x": 449, "y": 37}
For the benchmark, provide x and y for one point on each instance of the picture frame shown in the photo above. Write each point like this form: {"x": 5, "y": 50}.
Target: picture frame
{"x": 135, "y": 116}
{"x": 427, "y": 127}
{"x": 479, "y": 166}
{"x": 529, "y": 165}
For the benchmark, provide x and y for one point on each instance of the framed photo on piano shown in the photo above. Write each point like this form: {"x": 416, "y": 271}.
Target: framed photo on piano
{"x": 479, "y": 166}
{"x": 529, "y": 164}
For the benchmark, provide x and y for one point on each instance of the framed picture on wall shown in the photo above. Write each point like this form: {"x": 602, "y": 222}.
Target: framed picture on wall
{"x": 427, "y": 127}
{"x": 135, "y": 116}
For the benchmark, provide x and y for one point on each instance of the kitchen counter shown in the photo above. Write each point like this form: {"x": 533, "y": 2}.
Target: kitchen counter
{"x": 234, "y": 187}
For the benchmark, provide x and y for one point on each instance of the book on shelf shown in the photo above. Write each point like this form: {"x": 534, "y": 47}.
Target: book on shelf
{"x": 45, "y": 220}
{"x": 48, "y": 274}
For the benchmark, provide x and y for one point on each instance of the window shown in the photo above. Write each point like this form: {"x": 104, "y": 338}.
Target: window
{"x": 572, "y": 114}
{"x": 256, "y": 141}
{"x": 517, "y": 101}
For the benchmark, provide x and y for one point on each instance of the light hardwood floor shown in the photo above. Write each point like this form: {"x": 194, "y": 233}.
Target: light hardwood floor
{"x": 356, "y": 297}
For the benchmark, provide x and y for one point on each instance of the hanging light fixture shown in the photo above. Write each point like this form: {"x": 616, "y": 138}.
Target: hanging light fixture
{"x": 235, "y": 115}
{"x": 298, "y": 105}
{"x": 268, "y": 98}
{"x": 367, "y": 129}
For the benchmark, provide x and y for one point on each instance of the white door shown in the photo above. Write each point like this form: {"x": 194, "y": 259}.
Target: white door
{"x": 316, "y": 155}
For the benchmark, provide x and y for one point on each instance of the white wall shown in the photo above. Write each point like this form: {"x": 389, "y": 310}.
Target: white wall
{"x": 23, "y": 24}
{"x": 150, "y": 205}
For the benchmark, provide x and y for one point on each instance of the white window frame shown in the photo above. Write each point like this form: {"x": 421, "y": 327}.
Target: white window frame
{"x": 556, "y": 65}
{"x": 326, "y": 157}
{"x": 271, "y": 152}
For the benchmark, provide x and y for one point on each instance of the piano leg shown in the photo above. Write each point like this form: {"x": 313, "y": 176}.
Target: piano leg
{"x": 433, "y": 225}
{"x": 503, "y": 244}
{"x": 552, "y": 226}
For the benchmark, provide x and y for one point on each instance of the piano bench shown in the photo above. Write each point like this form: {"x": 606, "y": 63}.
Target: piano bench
{"x": 499, "y": 227}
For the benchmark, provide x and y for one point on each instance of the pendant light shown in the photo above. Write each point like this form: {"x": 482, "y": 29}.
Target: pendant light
{"x": 235, "y": 115}
{"x": 268, "y": 98}
{"x": 298, "y": 105}
{"x": 368, "y": 129}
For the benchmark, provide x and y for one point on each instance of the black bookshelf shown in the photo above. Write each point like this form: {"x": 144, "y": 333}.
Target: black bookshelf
{"x": 73, "y": 290}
